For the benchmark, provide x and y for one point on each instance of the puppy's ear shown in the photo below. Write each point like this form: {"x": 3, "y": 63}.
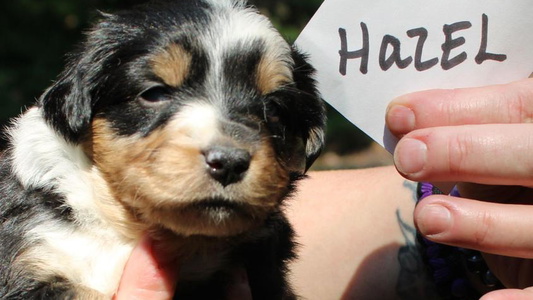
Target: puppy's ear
{"x": 312, "y": 108}
{"x": 67, "y": 103}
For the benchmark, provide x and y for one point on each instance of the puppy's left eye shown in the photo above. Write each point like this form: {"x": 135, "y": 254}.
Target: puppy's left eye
{"x": 274, "y": 110}
{"x": 155, "y": 95}
{"x": 273, "y": 114}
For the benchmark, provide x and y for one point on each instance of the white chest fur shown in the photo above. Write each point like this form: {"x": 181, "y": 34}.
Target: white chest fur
{"x": 87, "y": 251}
{"x": 94, "y": 262}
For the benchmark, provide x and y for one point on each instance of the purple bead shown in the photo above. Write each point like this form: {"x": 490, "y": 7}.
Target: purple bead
{"x": 433, "y": 251}
{"x": 426, "y": 190}
{"x": 489, "y": 279}
{"x": 455, "y": 192}
{"x": 442, "y": 275}
{"x": 460, "y": 287}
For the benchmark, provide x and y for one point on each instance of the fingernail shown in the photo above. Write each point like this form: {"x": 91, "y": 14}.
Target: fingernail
{"x": 410, "y": 156}
{"x": 400, "y": 119}
{"x": 434, "y": 219}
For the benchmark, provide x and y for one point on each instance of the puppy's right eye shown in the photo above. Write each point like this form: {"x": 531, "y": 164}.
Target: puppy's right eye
{"x": 155, "y": 95}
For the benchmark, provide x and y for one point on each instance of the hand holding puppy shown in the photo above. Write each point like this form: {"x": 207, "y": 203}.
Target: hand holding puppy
{"x": 151, "y": 274}
{"x": 148, "y": 275}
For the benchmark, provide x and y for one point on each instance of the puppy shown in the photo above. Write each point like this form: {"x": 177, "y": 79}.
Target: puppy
{"x": 190, "y": 120}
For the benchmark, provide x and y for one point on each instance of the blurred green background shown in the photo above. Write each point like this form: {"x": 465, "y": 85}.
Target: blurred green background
{"x": 36, "y": 35}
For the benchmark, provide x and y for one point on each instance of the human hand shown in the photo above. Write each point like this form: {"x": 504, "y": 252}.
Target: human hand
{"x": 148, "y": 274}
{"x": 481, "y": 138}
{"x": 151, "y": 273}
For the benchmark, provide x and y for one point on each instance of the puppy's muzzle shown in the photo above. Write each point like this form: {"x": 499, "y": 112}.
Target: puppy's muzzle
{"x": 227, "y": 165}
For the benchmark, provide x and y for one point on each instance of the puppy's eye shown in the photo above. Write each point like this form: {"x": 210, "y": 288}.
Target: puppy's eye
{"x": 155, "y": 95}
{"x": 273, "y": 115}
{"x": 275, "y": 110}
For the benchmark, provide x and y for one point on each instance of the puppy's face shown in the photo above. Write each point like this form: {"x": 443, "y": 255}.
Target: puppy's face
{"x": 198, "y": 114}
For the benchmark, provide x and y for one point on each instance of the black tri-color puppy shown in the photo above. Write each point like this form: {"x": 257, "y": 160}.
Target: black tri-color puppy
{"x": 190, "y": 120}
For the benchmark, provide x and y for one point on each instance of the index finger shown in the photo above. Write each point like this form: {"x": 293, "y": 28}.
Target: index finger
{"x": 497, "y": 104}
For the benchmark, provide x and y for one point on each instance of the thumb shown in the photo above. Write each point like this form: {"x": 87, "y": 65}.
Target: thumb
{"x": 147, "y": 275}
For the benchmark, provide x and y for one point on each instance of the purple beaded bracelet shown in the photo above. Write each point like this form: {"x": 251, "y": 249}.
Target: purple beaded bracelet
{"x": 454, "y": 269}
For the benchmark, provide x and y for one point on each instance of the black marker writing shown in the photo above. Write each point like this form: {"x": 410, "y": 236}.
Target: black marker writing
{"x": 483, "y": 55}
{"x": 362, "y": 53}
{"x": 420, "y": 65}
{"x": 386, "y": 59}
{"x": 395, "y": 57}
{"x": 452, "y": 43}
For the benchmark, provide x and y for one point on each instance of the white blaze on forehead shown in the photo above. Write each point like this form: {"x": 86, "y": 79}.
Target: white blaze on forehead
{"x": 199, "y": 122}
{"x": 234, "y": 24}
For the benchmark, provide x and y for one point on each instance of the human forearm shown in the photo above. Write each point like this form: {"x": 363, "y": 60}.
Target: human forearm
{"x": 357, "y": 237}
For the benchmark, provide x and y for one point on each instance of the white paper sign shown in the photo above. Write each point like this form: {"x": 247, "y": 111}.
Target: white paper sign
{"x": 368, "y": 52}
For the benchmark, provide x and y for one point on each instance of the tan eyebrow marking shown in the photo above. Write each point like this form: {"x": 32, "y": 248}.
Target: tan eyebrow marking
{"x": 272, "y": 73}
{"x": 172, "y": 65}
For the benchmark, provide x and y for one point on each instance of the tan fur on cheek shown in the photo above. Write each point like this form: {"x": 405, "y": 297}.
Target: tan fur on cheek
{"x": 154, "y": 167}
{"x": 172, "y": 65}
{"x": 153, "y": 176}
{"x": 163, "y": 177}
{"x": 117, "y": 214}
{"x": 266, "y": 182}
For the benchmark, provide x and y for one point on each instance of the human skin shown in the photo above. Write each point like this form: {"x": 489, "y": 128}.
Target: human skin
{"x": 357, "y": 238}
{"x": 149, "y": 274}
{"x": 480, "y": 138}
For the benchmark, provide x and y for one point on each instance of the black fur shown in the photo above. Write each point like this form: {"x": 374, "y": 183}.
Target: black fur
{"x": 21, "y": 210}
{"x": 264, "y": 255}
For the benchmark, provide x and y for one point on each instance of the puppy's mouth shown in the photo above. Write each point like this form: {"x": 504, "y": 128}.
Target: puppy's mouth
{"x": 219, "y": 205}
{"x": 215, "y": 217}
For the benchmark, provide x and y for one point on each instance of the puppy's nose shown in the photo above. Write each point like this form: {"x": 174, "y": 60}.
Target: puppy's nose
{"x": 227, "y": 165}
